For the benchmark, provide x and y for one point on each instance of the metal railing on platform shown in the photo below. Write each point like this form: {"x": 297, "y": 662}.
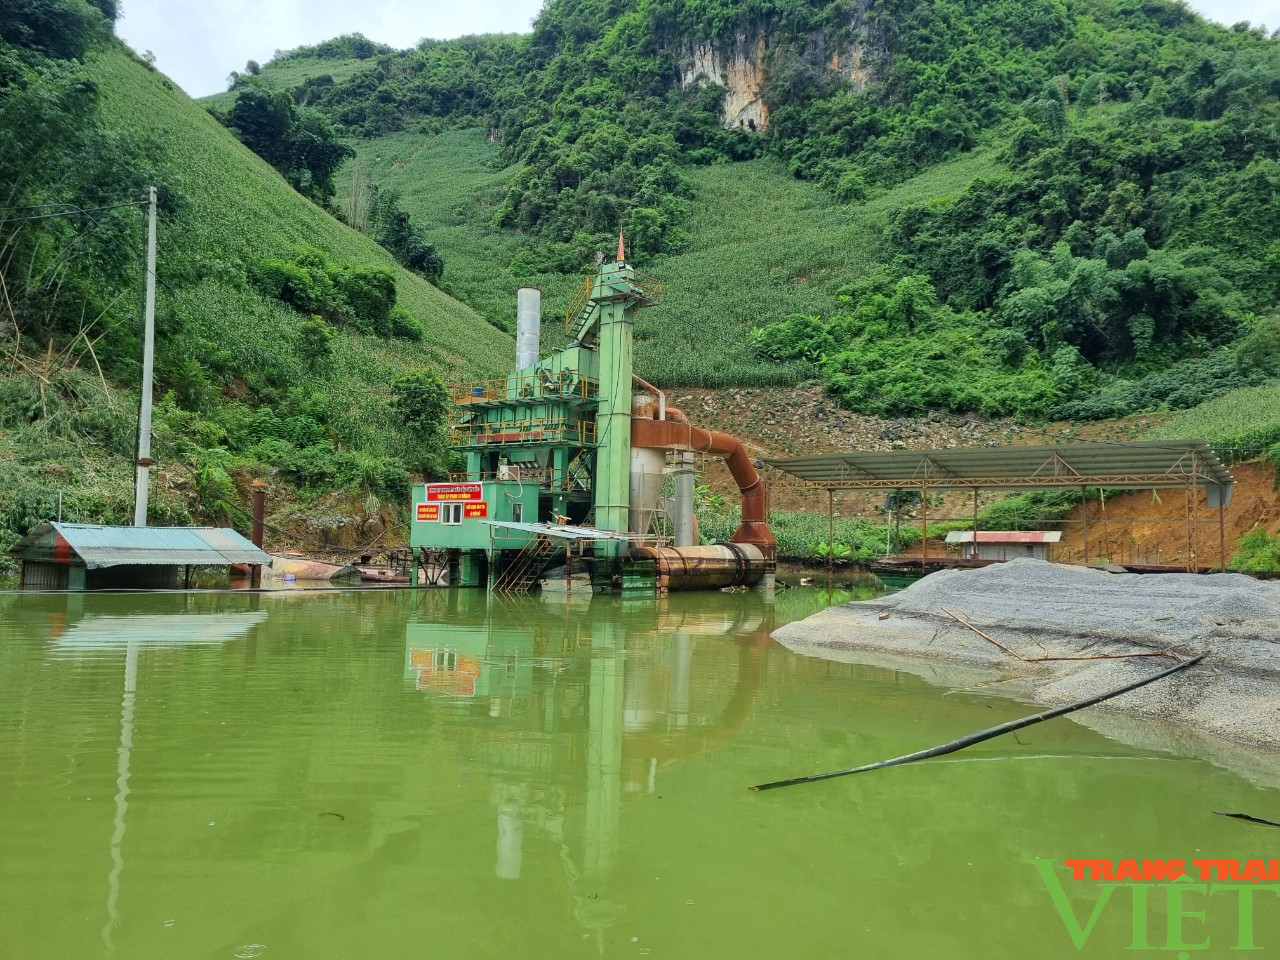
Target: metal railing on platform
{"x": 533, "y": 431}
{"x": 647, "y": 289}
{"x": 563, "y": 385}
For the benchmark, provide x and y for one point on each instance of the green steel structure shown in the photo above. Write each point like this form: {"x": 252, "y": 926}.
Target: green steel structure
{"x": 548, "y": 445}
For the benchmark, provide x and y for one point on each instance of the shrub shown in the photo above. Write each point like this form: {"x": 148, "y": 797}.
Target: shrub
{"x": 1257, "y": 552}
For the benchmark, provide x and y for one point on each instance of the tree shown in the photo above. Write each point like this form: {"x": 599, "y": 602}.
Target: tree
{"x": 1259, "y": 351}
{"x": 300, "y": 144}
{"x": 262, "y": 120}
{"x": 395, "y": 231}
{"x": 913, "y": 298}
{"x": 315, "y": 342}
{"x": 421, "y": 403}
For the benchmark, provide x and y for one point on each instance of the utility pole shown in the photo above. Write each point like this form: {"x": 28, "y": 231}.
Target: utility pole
{"x": 148, "y": 369}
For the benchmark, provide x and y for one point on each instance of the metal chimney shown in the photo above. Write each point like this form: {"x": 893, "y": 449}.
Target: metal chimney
{"x": 528, "y": 326}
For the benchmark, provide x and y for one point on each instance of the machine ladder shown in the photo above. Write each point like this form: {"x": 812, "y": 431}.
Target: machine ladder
{"x": 581, "y": 309}
{"x": 527, "y": 567}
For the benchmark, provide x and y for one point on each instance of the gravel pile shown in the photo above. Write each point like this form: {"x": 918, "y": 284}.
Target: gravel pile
{"x": 1077, "y": 601}
{"x": 1042, "y": 610}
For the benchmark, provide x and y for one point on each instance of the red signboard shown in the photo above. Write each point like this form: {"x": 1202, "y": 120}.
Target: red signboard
{"x": 429, "y": 511}
{"x": 475, "y": 511}
{"x": 452, "y": 492}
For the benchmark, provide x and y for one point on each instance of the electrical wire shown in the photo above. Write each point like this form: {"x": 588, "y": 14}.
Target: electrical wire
{"x": 252, "y": 348}
{"x": 73, "y": 212}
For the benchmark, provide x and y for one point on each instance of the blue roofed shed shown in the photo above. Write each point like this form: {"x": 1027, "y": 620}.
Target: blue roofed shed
{"x": 81, "y": 556}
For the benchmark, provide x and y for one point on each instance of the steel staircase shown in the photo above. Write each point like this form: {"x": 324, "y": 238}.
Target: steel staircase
{"x": 527, "y": 567}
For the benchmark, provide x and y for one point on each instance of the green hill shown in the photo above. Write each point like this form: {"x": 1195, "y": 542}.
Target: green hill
{"x": 1049, "y": 208}
{"x": 247, "y": 385}
{"x": 730, "y": 277}
{"x": 237, "y": 208}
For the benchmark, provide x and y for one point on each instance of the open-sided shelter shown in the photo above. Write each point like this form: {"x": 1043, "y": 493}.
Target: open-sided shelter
{"x": 81, "y": 556}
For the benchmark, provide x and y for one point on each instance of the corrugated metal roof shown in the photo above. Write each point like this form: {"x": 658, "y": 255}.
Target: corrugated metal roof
{"x": 561, "y": 531}
{"x": 100, "y": 546}
{"x": 1006, "y": 536}
{"x": 1139, "y": 465}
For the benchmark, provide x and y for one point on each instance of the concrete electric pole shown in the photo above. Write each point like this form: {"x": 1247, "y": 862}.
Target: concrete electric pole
{"x": 148, "y": 370}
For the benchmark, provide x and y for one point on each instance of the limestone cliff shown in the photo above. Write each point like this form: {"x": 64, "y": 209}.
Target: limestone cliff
{"x": 743, "y": 64}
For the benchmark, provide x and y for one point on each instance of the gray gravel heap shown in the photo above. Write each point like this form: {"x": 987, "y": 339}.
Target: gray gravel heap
{"x": 1044, "y": 610}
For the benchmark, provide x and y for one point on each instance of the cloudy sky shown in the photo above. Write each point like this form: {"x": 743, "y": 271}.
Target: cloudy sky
{"x": 199, "y": 43}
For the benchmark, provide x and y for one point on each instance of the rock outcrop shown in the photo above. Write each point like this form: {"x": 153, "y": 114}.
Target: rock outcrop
{"x": 742, "y": 65}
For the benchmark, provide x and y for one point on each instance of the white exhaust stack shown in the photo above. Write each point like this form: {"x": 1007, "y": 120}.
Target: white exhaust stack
{"x": 528, "y": 326}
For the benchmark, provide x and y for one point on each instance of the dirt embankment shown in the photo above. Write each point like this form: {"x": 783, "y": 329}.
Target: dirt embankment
{"x": 1059, "y": 634}
{"x": 1131, "y": 527}
{"x": 1150, "y": 526}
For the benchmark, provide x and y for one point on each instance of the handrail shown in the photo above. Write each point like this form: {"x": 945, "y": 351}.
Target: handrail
{"x": 578, "y": 302}
{"x": 651, "y": 288}
{"x": 560, "y": 385}
{"x": 532, "y": 430}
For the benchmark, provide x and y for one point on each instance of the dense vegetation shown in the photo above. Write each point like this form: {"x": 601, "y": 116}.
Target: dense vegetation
{"x": 247, "y": 385}
{"x": 299, "y": 143}
{"x": 1114, "y": 252}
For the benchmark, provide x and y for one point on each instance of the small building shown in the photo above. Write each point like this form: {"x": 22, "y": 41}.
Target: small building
{"x": 1005, "y": 544}
{"x": 81, "y": 556}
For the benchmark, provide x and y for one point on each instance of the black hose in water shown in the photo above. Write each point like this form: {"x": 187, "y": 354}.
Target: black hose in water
{"x": 983, "y": 735}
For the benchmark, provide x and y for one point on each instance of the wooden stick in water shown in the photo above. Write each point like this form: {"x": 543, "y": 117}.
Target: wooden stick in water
{"x": 982, "y": 735}
{"x": 1014, "y": 653}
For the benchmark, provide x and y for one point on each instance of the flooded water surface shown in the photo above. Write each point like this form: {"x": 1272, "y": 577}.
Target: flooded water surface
{"x": 436, "y": 774}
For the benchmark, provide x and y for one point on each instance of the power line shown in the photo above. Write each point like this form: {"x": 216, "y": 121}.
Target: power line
{"x": 74, "y": 212}
{"x": 262, "y": 354}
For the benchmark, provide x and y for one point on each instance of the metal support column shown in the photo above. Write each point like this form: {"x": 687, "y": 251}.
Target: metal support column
{"x": 924, "y": 529}
{"x": 142, "y": 479}
{"x": 975, "y": 522}
{"x": 831, "y": 552}
{"x": 684, "y": 499}
{"x": 1084, "y": 494}
{"x": 1192, "y": 531}
{"x": 1222, "y": 532}
{"x": 1190, "y": 493}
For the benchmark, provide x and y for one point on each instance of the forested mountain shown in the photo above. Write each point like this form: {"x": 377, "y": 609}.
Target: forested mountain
{"x": 288, "y": 345}
{"x": 1115, "y": 250}
{"x": 1042, "y": 208}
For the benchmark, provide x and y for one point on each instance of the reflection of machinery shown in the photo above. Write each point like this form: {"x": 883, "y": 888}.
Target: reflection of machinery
{"x": 566, "y": 458}
{"x": 570, "y": 716}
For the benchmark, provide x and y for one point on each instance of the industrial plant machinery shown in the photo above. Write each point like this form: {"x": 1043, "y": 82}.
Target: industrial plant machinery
{"x": 566, "y": 459}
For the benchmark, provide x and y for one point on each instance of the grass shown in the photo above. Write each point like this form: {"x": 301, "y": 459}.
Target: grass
{"x": 239, "y": 209}
{"x": 763, "y": 246}
{"x": 233, "y": 209}
{"x": 1247, "y": 418}
{"x": 293, "y": 73}
{"x": 799, "y": 533}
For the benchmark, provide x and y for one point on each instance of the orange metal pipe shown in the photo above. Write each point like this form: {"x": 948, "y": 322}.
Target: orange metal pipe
{"x": 677, "y": 433}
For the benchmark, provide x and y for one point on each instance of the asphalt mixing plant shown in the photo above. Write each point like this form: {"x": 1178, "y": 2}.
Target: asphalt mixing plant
{"x": 566, "y": 459}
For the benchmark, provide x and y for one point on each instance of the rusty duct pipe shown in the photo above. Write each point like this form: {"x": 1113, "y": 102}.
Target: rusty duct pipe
{"x": 705, "y": 568}
{"x": 677, "y": 433}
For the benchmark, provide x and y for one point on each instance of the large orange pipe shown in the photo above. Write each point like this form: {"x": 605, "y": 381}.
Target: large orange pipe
{"x": 677, "y": 433}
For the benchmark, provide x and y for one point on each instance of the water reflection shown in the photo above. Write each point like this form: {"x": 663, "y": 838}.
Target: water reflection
{"x": 383, "y": 774}
{"x": 77, "y": 635}
{"x": 104, "y": 634}
{"x": 584, "y": 711}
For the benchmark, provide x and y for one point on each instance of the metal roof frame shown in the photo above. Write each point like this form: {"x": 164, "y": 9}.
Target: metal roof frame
{"x": 102, "y": 546}
{"x": 560, "y": 531}
{"x": 1135, "y": 465}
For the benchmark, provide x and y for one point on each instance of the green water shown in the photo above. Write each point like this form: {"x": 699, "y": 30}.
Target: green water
{"x": 402, "y": 775}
